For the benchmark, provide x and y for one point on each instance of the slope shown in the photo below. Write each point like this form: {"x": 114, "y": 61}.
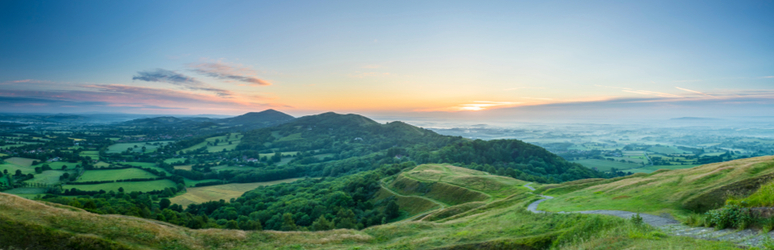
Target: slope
{"x": 678, "y": 192}
{"x": 503, "y": 223}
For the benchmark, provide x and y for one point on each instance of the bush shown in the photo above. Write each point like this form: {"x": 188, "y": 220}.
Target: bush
{"x": 730, "y": 216}
{"x": 636, "y": 219}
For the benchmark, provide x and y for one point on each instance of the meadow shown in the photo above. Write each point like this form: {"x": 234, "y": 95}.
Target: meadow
{"x": 135, "y": 146}
{"x": 677, "y": 192}
{"x": 223, "y": 143}
{"x": 606, "y": 165}
{"x": 93, "y": 154}
{"x": 143, "y": 186}
{"x": 114, "y": 174}
{"x": 218, "y": 192}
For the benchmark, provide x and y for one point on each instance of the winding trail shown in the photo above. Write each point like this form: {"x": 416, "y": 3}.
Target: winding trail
{"x": 441, "y": 205}
{"x": 746, "y": 238}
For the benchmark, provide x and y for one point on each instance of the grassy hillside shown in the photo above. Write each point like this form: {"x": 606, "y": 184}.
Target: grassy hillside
{"x": 678, "y": 192}
{"x": 499, "y": 223}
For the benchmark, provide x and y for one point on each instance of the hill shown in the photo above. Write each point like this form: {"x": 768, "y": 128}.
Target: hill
{"x": 261, "y": 119}
{"x": 352, "y": 143}
{"x": 678, "y": 192}
{"x": 497, "y": 223}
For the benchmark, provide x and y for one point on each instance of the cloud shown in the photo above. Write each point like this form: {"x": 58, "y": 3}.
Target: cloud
{"x": 228, "y": 72}
{"x": 767, "y": 77}
{"x": 27, "y": 81}
{"x": 168, "y": 76}
{"x": 694, "y": 91}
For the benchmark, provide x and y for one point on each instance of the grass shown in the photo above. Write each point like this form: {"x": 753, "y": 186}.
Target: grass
{"x": 19, "y": 161}
{"x": 651, "y": 169}
{"x": 114, "y": 174}
{"x": 174, "y": 160}
{"x": 147, "y": 165}
{"x": 499, "y": 223}
{"x": 122, "y": 147}
{"x": 57, "y": 165}
{"x": 223, "y": 144}
{"x": 667, "y": 150}
{"x": 12, "y": 168}
{"x": 192, "y": 183}
{"x": 606, "y": 165}
{"x": 291, "y": 137}
{"x": 217, "y": 192}
{"x": 184, "y": 167}
{"x": 143, "y": 186}
{"x": 49, "y": 177}
{"x": 93, "y": 154}
{"x": 677, "y": 192}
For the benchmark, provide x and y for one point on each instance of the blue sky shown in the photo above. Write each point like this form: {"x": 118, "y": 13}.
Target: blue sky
{"x": 230, "y": 57}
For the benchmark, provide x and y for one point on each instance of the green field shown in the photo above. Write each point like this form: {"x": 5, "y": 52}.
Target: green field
{"x": 57, "y": 165}
{"x": 146, "y": 165}
{"x": 93, "y": 154}
{"x": 19, "y": 161}
{"x": 218, "y": 192}
{"x": 114, "y": 174}
{"x": 606, "y": 165}
{"x": 235, "y": 139}
{"x": 122, "y": 147}
{"x": 233, "y": 168}
{"x": 668, "y": 150}
{"x": 192, "y": 183}
{"x": 27, "y": 192}
{"x": 650, "y": 169}
{"x": 143, "y": 186}
{"x": 291, "y": 137}
{"x": 174, "y": 160}
{"x": 47, "y": 177}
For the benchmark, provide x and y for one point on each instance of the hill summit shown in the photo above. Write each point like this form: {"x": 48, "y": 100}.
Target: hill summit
{"x": 265, "y": 118}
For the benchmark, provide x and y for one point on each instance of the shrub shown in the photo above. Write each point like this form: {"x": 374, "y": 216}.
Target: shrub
{"x": 730, "y": 216}
{"x": 636, "y": 219}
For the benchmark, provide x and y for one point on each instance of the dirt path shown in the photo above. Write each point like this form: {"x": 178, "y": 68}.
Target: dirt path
{"x": 442, "y": 206}
{"x": 746, "y": 238}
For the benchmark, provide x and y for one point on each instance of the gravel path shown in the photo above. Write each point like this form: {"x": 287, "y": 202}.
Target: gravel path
{"x": 746, "y": 238}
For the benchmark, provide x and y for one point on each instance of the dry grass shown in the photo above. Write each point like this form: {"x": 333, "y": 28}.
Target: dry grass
{"x": 218, "y": 192}
{"x": 21, "y": 162}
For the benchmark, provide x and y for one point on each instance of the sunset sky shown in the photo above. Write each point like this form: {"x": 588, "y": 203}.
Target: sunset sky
{"x": 387, "y": 57}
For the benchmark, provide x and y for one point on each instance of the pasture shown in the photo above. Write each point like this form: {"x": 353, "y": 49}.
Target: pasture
{"x": 184, "y": 167}
{"x": 19, "y": 161}
{"x": 668, "y": 150}
{"x": 606, "y": 165}
{"x": 135, "y": 146}
{"x": 192, "y": 183}
{"x": 48, "y": 177}
{"x": 651, "y": 169}
{"x": 140, "y": 186}
{"x": 114, "y": 174}
{"x": 57, "y": 165}
{"x": 223, "y": 143}
{"x": 174, "y": 160}
{"x": 93, "y": 154}
{"x": 217, "y": 192}
{"x": 147, "y": 165}
{"x": 26, "y": 192}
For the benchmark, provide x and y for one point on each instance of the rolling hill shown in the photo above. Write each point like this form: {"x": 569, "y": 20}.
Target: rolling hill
{"x": 499, "y": 221}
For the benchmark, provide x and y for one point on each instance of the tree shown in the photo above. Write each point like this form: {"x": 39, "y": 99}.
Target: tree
{"x": 322, "y": 224}
{"x": 392, "y": 211}
{"x": 121, "y": 189}
{"x": 164, "y": 203}
{"x": 288, "y": 224}
{"x": 345, "y": 219}
{"x": 18, "y": 172}
{"x": 277, "y": 157}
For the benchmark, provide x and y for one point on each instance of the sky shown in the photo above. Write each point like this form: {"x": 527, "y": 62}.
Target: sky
{"x": 463, "y": 59}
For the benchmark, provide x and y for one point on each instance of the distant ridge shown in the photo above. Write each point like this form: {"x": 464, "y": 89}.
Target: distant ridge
{"x": 264, "y": 118}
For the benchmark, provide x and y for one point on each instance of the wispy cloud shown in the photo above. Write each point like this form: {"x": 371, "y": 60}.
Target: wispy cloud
{"x": 767, "y": 77}
{"x": 642, "y": 92}
{"x": 26, "y": 81}
{"x": 517, "y": 88}
{"x": 697, "y": 92}
{"x": 695, "y": 80}
{"x": 229, "y": 72}
{"x": 168, "y": 76}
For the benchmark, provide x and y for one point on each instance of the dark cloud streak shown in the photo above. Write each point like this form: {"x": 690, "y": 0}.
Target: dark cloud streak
{"x": 168, "y": 76}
